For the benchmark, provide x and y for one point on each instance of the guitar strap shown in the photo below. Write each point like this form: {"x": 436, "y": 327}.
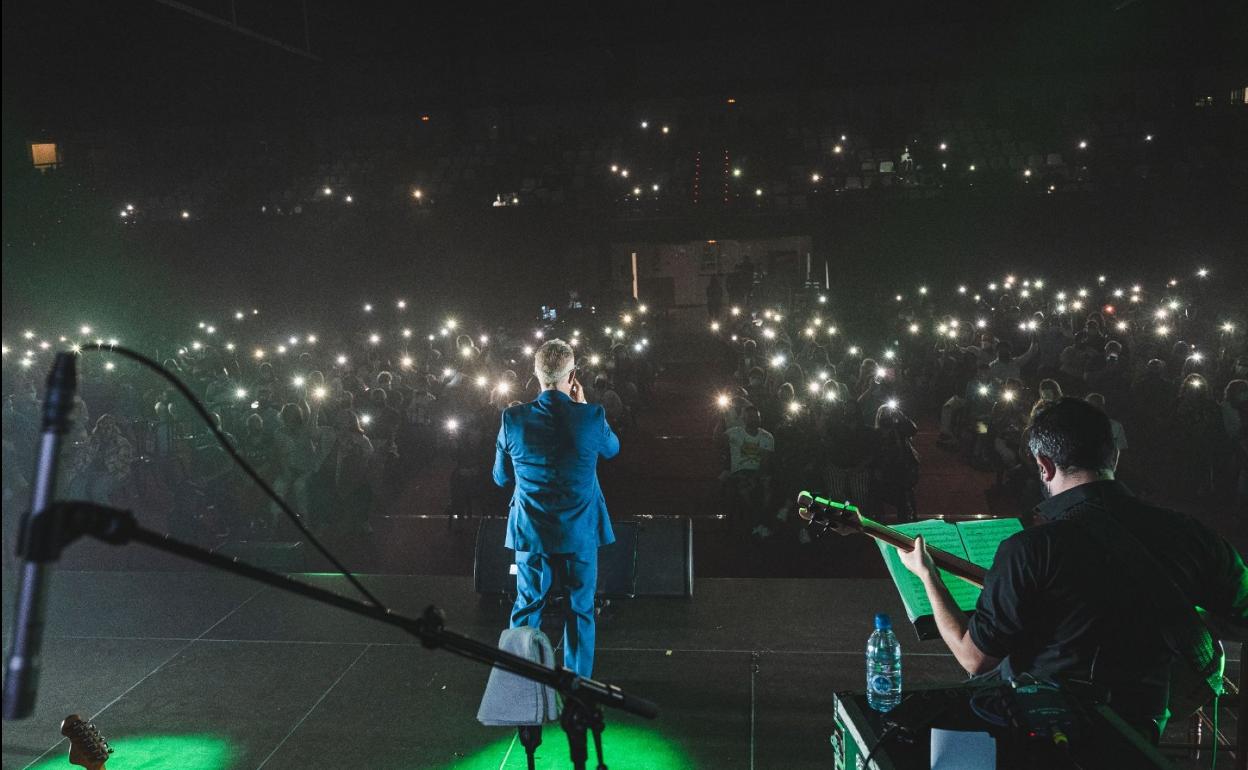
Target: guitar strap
{"x": 1185, "y": 633}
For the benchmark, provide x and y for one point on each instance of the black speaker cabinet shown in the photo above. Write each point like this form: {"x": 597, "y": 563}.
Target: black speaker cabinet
{"x": 665, "y": 556}
{"x": 494, "y": 567}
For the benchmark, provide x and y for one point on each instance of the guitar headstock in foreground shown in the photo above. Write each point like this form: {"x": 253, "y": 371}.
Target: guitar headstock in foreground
{"x": 824, "y": 515}
{"x": 87, "y": 748}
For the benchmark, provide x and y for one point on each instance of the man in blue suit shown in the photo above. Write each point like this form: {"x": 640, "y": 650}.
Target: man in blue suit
{"x": 549, "y": 449}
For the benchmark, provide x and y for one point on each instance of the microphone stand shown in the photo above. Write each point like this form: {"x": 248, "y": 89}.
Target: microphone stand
{"x": 576, "y": 718}
{"x": 22, "y": 669}
{"x": 44, "y": 536}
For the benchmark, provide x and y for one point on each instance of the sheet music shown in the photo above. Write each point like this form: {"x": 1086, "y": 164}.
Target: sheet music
{"x": 910, "y": 588}
{"x": 938, "y": 534}
{"x": 981, "y": 538}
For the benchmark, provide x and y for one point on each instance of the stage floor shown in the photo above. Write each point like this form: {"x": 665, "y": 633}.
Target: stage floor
{"x": 196, "y": 670}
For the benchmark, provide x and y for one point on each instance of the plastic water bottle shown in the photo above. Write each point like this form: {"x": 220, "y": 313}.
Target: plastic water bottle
{"x": 883, "y": 666}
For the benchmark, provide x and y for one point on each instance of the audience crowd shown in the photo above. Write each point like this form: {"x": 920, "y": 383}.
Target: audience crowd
{"x": 807, "y": 408}
{"x": 342, "y": 425}
{"x": 338, "y": 426}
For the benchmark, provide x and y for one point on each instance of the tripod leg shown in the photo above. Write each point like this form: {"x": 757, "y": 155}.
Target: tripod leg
{"x": 597, "y": 725}
{"x": 574, "y": 724}
{"x": 530, "y": 739}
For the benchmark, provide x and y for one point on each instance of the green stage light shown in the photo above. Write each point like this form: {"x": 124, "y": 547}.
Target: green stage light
{"x": 202, "y": 751}
{"x": 625, "y": 745}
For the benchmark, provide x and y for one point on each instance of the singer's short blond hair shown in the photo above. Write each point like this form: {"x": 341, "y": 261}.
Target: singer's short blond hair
{"x": 552, "y": 362}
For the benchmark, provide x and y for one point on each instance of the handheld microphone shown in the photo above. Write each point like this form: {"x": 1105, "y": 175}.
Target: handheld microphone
{"x": 38, "y": 544}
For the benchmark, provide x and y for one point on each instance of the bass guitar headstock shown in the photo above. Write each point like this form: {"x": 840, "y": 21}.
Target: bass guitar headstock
{"x": 87, "y": 748}
{"x": 823, "y": 515}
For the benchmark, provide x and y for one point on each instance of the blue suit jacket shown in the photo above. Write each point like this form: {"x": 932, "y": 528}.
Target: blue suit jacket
{"x": 549, "y": 448}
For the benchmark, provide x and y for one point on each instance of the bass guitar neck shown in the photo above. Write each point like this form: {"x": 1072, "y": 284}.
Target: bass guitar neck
{"x": 845, "y": 519}
{"x": 954, "y": 565}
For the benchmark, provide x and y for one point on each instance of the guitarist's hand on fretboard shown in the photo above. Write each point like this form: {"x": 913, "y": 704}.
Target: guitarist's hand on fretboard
{"x": 917, "y": 559}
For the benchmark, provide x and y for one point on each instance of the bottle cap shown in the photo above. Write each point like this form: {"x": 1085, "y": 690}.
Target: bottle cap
{"x": 882, "y": 622}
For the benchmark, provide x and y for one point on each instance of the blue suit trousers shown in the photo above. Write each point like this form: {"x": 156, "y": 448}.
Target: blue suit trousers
{"x": 579, "y": 574}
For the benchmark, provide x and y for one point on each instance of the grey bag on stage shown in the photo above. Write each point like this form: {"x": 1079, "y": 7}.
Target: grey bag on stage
{"x": 511, "y": 700}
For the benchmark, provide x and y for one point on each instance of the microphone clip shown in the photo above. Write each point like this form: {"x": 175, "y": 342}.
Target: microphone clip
{"x": 44, "y": 535}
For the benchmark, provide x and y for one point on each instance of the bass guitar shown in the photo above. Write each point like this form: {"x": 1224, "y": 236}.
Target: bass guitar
{"x": 1190, "y": 686}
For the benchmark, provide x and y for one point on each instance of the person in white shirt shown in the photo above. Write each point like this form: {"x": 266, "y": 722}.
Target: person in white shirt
{"x": 750, "y": 447}
{"x": 746, "y": 482}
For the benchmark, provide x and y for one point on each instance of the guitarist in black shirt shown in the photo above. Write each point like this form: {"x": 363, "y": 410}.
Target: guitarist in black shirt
{"x": 1105, "y": 587}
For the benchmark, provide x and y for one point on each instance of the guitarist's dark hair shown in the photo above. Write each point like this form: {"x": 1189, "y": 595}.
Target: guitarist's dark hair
{"x": 1073, "y": 434}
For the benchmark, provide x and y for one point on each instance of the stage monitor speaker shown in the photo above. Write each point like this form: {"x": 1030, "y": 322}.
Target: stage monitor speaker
{"x": 494, "y": 565}
{"x": 665, "y": 556}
